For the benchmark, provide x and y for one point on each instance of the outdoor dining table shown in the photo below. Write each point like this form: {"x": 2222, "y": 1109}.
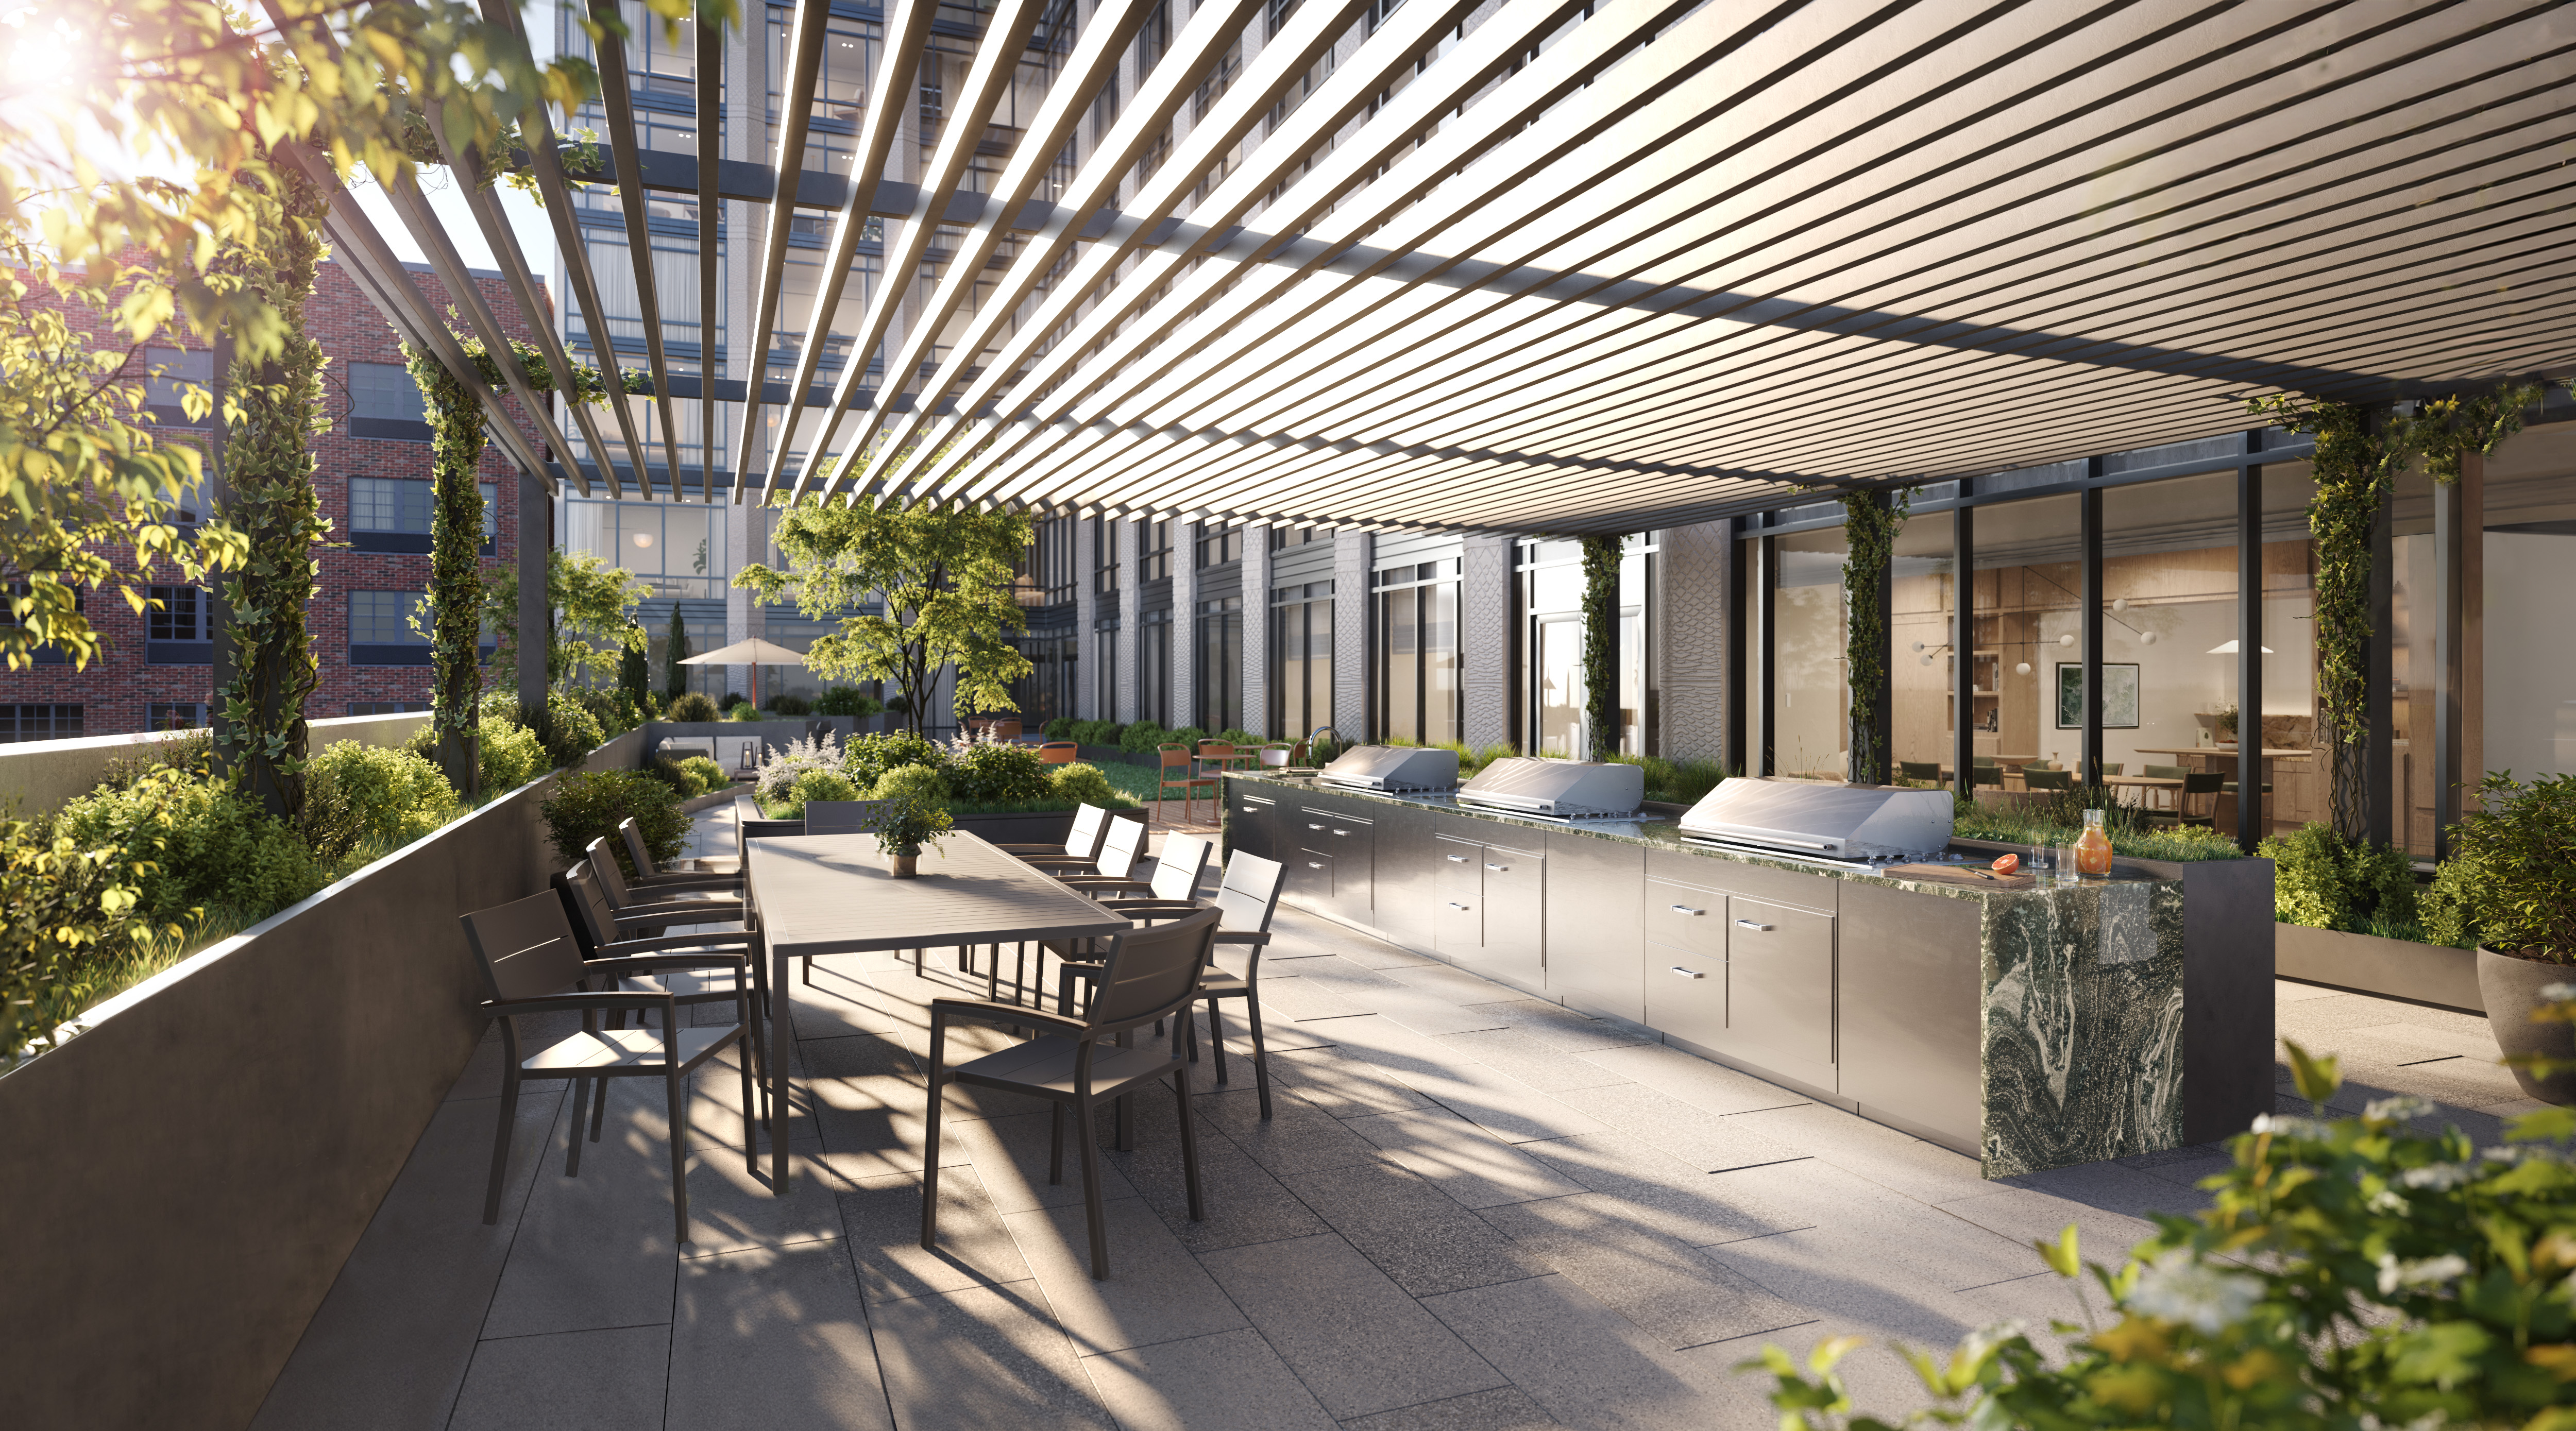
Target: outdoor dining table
{"x": 835, "y": 894}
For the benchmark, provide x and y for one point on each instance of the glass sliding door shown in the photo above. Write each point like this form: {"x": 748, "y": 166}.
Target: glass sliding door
{"x": 2027, "y": 597}
{"x": 1810, "y": 723}
{"x": 1419, "y": 692}
{"x": 1301, "y": 659}
{"x": 1220, "y": 665}
{"x": 1923, "y": 670}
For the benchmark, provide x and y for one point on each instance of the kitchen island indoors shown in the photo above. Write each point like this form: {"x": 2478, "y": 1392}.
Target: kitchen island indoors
{"x": 2030, "y": 1027}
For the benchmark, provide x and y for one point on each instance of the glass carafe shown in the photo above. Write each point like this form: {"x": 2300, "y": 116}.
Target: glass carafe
{"x": 2093, "y": 848}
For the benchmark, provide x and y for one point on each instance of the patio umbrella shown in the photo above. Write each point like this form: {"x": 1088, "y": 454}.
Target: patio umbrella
{"x": 754, "y": 653}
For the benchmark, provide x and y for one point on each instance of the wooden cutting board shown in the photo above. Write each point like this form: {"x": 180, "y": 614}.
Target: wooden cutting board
{"x": 1962, "y": 875}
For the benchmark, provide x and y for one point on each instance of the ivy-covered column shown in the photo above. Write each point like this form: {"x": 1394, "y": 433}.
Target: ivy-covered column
{"x": 260, "y": 735}
{"x": 455, "y": 413}
{"x": 1601, "y": 557}
{"x": 1870, "y": 523}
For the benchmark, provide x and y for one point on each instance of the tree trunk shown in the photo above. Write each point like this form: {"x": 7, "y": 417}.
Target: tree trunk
{"x": 455, "y": 414}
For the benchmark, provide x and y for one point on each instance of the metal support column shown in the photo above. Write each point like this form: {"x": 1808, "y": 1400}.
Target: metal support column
{"x": 2090, "y": 764}
{"x": 2250, "y": 765}
{"x": 1739, "y": 634}
{"x": 1963, "y": 646}
{"x": 536, "y": 612}
{"x": 2451, "y": 555}
{"x": 1765, "y": 578}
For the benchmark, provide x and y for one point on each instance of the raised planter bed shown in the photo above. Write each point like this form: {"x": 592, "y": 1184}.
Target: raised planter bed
{"x": 2434, "y": 974}
{"x": 187, "y": 1175}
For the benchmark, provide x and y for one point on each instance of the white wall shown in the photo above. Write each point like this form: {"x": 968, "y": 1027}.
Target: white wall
{"x": 2530, "y": 653}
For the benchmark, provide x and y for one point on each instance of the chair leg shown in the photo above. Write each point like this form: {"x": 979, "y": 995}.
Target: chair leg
{"x": 1216, "y": 1043}
{"x": 1055, "y": 1142}
{"x": 580, "y": 1107}
{"x": 1089, "y": 1133}
{"x": 501, "y": 1146}
{"x": 750, "y": 1144}
{"x": 676, "y": 1094}
{"x": 1189, "y": 1141}
{"x": 1260, "y": 1054}
{"x": 599, "y": 1105}
{"x": 930, "y": 1158}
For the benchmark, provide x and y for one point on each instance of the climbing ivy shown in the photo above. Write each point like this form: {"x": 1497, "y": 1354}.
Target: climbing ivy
{"x": 2360, "y": 449}
{"x": 455, "y": 626}
{"x": 272, "y": 410}
{"x": 1601, "y": 557}
{"x": 1871, "y": 521}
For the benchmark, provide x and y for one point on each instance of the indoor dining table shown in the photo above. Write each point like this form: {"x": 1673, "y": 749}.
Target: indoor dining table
{"x": 835, "y": 894}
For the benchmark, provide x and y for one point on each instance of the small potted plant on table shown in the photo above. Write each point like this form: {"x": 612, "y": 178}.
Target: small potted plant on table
{"x": 2513, "y": 873}
{"x": 907, "y": 817}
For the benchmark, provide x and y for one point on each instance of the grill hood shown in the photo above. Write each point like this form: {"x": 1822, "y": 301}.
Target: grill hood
{"x": 1393, "y": 767}
{"x": 1562, "y": 789}
{"x": 1834, "y": 822}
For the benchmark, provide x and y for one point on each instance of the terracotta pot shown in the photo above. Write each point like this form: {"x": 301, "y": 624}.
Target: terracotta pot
{"x": 904, "y": 866}
{"x": 2510, "y": 988}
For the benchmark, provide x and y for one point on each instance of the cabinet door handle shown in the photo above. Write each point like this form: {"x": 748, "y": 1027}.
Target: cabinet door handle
{"x": 1753, "y": 925}
{"x": 1500, "y": 869}
{"x": 1457, "y": 859}
{"x": 1341, "y": 832}
{"x": 1688, "y": 973}
{"x": 1311, "y": 825}
{"x": 1313, "y": 865}
{"x": 1453, "y": 904}
{"x": 1686, "y": 909}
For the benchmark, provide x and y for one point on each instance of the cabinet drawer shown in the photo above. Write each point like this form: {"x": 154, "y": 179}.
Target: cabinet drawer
{"x": 1686, "y": 918}
{"x": 1310, "y": 877}
{"x": 1780, "y": 988}
{"x": 1734, "y": 877}
{"x": 1458, "y": 895}
{"x": 1686, "y": 994}
{"x": 1249, "y": 821}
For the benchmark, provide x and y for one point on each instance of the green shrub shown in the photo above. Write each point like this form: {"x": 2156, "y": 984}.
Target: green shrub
{"x": 509, "y": 756}
{"x": 209, "y": 845}
{"x": 2518, "y": 849}
{"x": 996, "y": 773}
{"x": 711, "y": 776}
{"x": 569, "y": 732}
{"x": 1237, "y": 735}
{"x": 2323, "y": 881}
{"x": 689, "y": 784}
{"x": 588, "y": 805}
{"x": 189, "y": 750}
{"x": 1089, "y": 732}
{"x": 790, "y": 706}
{"x": 866, "y": 758}
{"x": 731, "y": 699}
{"x": 1681, "y": 782}
{"x": 1141, "y": 738}
{"x": 1083, "y": 782}
{"x": 356, "y": 793}
{"x": 744, "y": 712}
{"x": 911, "y": 783}
{"x": 1060, "y": 728}
{"x": 690, "y": 706}
{"x": 2348, "y": 1272}
{"x": 66, "y": 921}
{"x": 847, "y": 701}
{"x": 816, "y": 785}
{"x": 780, "y": 767}
{"x": 1188, "y": 735}
{"x": 2450, "y": 904}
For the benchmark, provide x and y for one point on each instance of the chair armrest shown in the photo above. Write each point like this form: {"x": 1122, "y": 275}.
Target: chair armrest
{"x": 625, "y": 948}
{"x": 1103, "y": 882}
{"x": 696, "y": 911}
{"x": 1175, "y": 906}
{"x": 1041, "y": 850}
{"x": 548, "y": 1003}
{"x": 1243, "y": 936}
{"x": 623, "y": 966}
{"x": 1053, "y": 863}
{"x": 1005, "y": 1014}
{"x": 687, "y": 882}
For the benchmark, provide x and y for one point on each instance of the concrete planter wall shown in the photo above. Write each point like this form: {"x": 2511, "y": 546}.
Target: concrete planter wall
{"x": 184, "y": 1179}
{"x": 2391, "y": 968}
{"x": 41, "y": 774}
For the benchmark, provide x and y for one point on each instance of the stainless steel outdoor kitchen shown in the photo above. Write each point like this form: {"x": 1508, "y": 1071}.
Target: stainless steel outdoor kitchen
{"x": 1835, "y": 940}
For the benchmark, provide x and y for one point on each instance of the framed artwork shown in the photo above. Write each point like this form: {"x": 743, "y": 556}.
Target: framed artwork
{"x": 2119, "y": 695}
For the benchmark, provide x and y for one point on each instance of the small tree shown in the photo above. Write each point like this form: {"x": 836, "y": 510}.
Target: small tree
{"x": 1601, "y": 557}
{"x": 675, "y": 677}
{"x": 591, "y": 602}
{"x": 944, "y": 574}
{"x": 635, "y": 677}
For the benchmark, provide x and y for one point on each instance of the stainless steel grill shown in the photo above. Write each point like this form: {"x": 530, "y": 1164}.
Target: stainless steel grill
{"x": 1393, "y": 767}
{"x": 1558, "y": 789}
{"x": 1850, "y": 825}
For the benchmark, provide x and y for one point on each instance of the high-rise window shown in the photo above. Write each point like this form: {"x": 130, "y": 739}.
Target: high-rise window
{"x": 1220, "y": 664}
{"x": 1282, "y": 538}
{"x": 384, "y": 402}
{"x": 1301, "y": 659}
{"x": 1218, "y": 545}
{"x": 392, "y": 514}
{"x": 1154, "y": 559}
{"x": 178, "y": 631}
{"x": 39, "y": 722}
{"x": 1104, "y": 557}
{"x": 1420, "y": 698}
{"x": 381, "y": 634}
{"x": 1104, "y": 637}
{"x": 1154, "y": 668}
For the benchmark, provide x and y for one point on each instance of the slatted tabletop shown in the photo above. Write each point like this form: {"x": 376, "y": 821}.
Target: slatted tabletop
{"x": 834, "y": 894}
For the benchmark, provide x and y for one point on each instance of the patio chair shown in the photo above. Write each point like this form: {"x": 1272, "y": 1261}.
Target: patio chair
{"x": 1059, "y": 752}
{"x": 1177, "y": 872}
{"x": 1148, "y": 975}
{"x": 1178, "y": 757}
{"x": 1122, "y": 843}
{"x": 649, "y": 875}
{"x": 604, "y": 916}
{"x": 841, "y": 817}
{"x": 2197, "y": 802}
{"x": 1081, "y": 847}
{"x": 1246, "y": 900}
{"x": 1986, "y": 772}
{"x": 529, "y": 960}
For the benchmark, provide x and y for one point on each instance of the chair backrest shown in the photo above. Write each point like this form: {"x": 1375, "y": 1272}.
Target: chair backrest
{"x": 1986, "y": 774}
{"x": 526, "y": 947}
{"x": 1059, "y": 752}
{"x": 2164, "y": 772}
{"x": 633, "y": 835}
{"x": 603, "y": 862}
{"x": 747, "y": 830}
{"x": 1249, "y": 893}
{"x": 1175, "y": 755}
{"x": 1181, "y": 866}
{"x": 1211, "y": 749}
{"x": 1090, "y": 822}
{"x": 1151, "y": 971}
{"x": 1983, "y": 762}
{"x": 2048, "y": 779}
{"x": 592, "y": 913}
{"x": 1121, "y": 841}
{"x": 1919, "y": 769}
{"x": 2039, "y": 765}
{"x": 840, "y": 817}
{"x": 2108, "y": 768}
{"x": 2197, "y": 783}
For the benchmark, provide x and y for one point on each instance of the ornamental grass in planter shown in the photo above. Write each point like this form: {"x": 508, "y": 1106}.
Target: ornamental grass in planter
{"x": 2512, "y": 880}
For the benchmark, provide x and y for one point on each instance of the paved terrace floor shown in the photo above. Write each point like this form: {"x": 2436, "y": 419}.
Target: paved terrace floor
{"x": 1473, "y": 1209}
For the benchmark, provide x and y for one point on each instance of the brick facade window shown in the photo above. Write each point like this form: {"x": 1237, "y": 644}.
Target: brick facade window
{"x": 176, "y": 715}
{"x": 38, "y": 722}
{"x": 179, "y": 630}
{"x": 364, "y": 708}
{"x": 392, "y": 514}
{"x": 380, "y": 631}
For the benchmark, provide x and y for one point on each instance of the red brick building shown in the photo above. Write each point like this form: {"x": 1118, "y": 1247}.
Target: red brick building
{"x": 372, "y": 469}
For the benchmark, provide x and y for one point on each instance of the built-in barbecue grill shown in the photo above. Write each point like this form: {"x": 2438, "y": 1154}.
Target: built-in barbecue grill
{"x": 1826, "y": 824}
{"x": 1393, "y": 767}
{"x": 1558, "y": 789}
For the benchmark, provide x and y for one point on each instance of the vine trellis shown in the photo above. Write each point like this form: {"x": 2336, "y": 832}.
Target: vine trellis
{"x": 2360, "y": 450}
{"x": 1871, "y": 521}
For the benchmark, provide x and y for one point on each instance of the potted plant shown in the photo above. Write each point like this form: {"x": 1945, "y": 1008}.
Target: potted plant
{"x": 2513, "y": 867}
{"x": 2225, "y": 719}
{"x": 906, "y": 819}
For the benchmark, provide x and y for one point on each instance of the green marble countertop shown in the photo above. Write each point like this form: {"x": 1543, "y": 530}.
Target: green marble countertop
{"x": 1664, "y": 832}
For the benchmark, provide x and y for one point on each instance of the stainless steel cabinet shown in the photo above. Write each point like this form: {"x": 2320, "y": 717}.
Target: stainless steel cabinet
{"x": 1458, "y": 914}
{"x": 1780, "y": 989}
{"x": 1596, "y": 929}
{"x": 1492, "y": 909}
{"x": 1250, "y": 816}
{"x": 1345, "y": 845}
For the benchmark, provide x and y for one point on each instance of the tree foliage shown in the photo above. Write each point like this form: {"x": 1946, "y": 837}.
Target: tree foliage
{"x": 944, "y": 575}
{"x": 1871, "y": 521}
{"x": 1601, "y": 558}
{"x": 594, "y": 632}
